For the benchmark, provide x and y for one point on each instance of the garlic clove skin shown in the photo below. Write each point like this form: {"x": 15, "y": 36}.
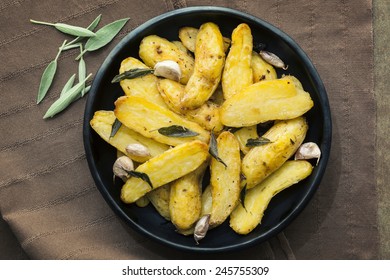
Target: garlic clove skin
{"x": 273, "y": 59}
{"x": 137, "y": 150}
{"x": 121, "y": 167}
{"x": 168, "y": 69}
{"x": 308, "y": 150}
{"x": 201, "y": 228}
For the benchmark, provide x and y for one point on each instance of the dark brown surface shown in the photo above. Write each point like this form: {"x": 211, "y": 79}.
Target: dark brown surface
{"x": 47, "y": 195}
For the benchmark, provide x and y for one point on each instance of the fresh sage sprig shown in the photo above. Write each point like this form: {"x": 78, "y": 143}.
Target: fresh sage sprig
{"x": 90, "y": 27}
{"x": 48, "y": 76}
{"x": 104, "y": 36}
{"x": 253, "y": 142}
{"x": 68, "y": 85}
{"x": 71, "y": 92}
{"x": 213, "y": 149}
{"x": 177, "y": 131}
{"x": 132, "y": 74}
{"x": 66, "y": 98}
{"x": 68, "y": 29}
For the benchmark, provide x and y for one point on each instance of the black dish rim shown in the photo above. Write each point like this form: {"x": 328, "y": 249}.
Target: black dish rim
{"x": 326, "y": 132}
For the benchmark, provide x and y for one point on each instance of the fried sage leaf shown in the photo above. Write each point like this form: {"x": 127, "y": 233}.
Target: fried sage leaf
{"x": 177, "y": 131}
{"x": 253, "y": 142}
{"x": 142, "y": 176}
{"x": 242, "y": 196}
{"x": 115, "y": 127}
{"x": 131, "y": 74}
{"x": 213, "y": 149}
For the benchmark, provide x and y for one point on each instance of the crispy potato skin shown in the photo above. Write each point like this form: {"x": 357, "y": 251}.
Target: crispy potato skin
{"x": 244, "y": 220}
{"x": 261, "y": 161}
{"x": 206, "y": 115}
{"x": 145, "y": 86}
{"x": 225, "y": 181}
{"x": 146, "y": 118}
{"x": 264, "y": 101}
{"x": 185, "y": 202}
{"x": 154, "y": 49}
{"x": 237, "y": 73}
{"x": 102, "y": 123}
{"x": 160, "y": 200}
{"x": 209, "y": 63}
{"x": 165, "y": 168}
{"x": 187, "y": 36}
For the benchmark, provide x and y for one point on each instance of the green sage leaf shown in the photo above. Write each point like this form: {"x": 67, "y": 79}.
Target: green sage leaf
{"x": 71, "y": 46}
{"x": 68, "y": 85}
{"x": 105, "y": 35}
{"x": 213, "y": 149}
{"x": 177, "y": 131}
{"x": 115, "y": 127}
{"x": 48, "y": 76}
{"x": 68, "y": 29}
{"x": 46, "y": 80}
{"x": 242, "y": 196}
{"x": 82, "y": 71}
{"x": 253, "y": 142}
{"x": 142, "y": 176}
{"x": 66, "y": 99}
{"x": 131, "y": 74}
{"x": 90, "y": 27}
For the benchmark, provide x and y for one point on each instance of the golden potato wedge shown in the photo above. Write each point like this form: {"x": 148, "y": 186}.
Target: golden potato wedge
{"x": 207, "y": 201}
{"x": 146, "y": 118}
{"x": 185, "y": 199}
{"x": 237, "y": 73}
{"x": 102, "y": 123}
{"x": 154, "y": 49}
{"x": 165, "y": 168}
{"x": 262, "y": 70}
{"x": 160, "y": 200}
{"x": 206, "y": 115}
{"x": 244, "y": 220}
{"x": 263, "y": 101}
{"x": 225, "y": 180}
{"x": 244, "y": 134}
{"x": 187, "y": 36}
{"x": 261, "y": 161}
{"x": 142, "y": 201}
{"x": 209, "y": 62}
{"x": 180, "y": 45}
{"x": 145, "y": 86}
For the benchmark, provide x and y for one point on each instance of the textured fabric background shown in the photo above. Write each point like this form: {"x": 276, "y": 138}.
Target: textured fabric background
{"x": 49, "y": 199}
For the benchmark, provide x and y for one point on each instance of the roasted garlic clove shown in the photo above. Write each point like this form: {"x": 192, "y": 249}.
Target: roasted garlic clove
{"x": 201, "y": 228}
{"x": 168, "y": 69}
{"x": 122, "y": 166}
{"x": 273, "y": 59}
{"x": 308, "y": 150}
{"x": 137, "y": 150}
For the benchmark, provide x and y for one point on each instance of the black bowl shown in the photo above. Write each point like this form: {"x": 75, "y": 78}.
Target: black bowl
{"x": 284, "y": 207}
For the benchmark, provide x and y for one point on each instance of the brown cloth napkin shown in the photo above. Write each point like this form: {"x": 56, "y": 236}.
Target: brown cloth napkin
{"x": 47, "y": 194}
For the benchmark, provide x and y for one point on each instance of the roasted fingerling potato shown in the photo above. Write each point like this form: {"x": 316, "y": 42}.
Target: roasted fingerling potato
{"x": 220, "y": 133}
